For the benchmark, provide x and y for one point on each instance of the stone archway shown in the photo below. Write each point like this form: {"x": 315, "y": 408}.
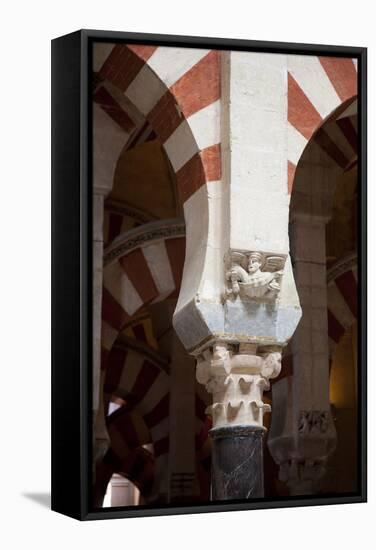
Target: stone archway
{"x": 141, "y": 381}
{"x": 134, "y": 84}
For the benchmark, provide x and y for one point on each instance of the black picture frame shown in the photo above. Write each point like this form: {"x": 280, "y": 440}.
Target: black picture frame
{"x": 72, "y": 272}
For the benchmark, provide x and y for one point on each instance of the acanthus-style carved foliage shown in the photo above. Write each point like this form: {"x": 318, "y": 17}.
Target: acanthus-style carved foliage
{"x": 313, "y": 422}
{"x": 254, "y": 275}
{"x": 237, "y": 381}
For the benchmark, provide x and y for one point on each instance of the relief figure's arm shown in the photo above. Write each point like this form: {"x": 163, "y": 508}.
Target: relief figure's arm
{"x": 237, "y": 273}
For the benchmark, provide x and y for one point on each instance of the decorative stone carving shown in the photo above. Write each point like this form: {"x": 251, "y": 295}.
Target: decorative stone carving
{"x": 301, "y": 447}
{"x": 254, "y": 275}
{"x": 303, "y": 477}
{"x": 138, "y": 236}
{"x": 313, "y": 422}
{"x": 237, "y": 380}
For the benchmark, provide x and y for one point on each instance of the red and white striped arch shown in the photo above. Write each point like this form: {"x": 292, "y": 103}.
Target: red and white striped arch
{"x": 144, "y": 385}
{"x": 108, "y": 142}
{"x": 177, "y": 90}
{"x": 342, "y": 299}
{"x": 137, "y": 465}
{"x": 139, "y": 468}
{"x": 115, "y": 223}
{"x": 318, "y": 86}
{"x": 140, "y": 267}
{"x": 119, "y": 218}
{"x": 143, "y": 266}
{"x": 127, "y": 432}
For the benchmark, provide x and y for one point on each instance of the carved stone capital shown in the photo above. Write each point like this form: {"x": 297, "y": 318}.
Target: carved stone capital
{"x": 253, "y": 275}
{"x": 302, "y": 448}
{"x": 237, "y": 379}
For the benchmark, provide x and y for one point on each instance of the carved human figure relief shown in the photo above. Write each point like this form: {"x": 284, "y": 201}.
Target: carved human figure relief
{"x": 237, "y": 381}
{"x": 254, "y": 275}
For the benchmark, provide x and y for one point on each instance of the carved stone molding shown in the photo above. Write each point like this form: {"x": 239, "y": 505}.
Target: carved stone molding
{"x": 237, "y": 380}
{"x": 126, "y": 343}
{"x": 123, "y": 209}
{"x": 139, "y": 236}
{"x": 253, "y": 275}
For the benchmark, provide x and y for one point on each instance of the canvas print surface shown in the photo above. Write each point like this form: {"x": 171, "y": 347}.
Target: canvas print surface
{"x": 225, "y": 200}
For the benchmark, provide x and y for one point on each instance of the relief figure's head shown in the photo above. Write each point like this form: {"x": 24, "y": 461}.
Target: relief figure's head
{"x": 255, "y": 262}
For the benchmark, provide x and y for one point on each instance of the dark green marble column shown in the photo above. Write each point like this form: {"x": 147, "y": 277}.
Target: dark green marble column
{"x": 237, "y": 462}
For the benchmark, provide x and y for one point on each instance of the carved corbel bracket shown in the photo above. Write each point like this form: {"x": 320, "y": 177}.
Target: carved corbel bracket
{"x": 303, "y": 450}
{"x": 313, "y": 422}
{"x": 253, "y": 275}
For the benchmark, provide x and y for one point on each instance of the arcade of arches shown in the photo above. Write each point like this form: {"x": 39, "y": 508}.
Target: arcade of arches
{"x": 225, "y": 275}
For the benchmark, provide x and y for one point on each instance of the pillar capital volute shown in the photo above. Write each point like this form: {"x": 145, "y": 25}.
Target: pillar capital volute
{"x": 236, "y": 376}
